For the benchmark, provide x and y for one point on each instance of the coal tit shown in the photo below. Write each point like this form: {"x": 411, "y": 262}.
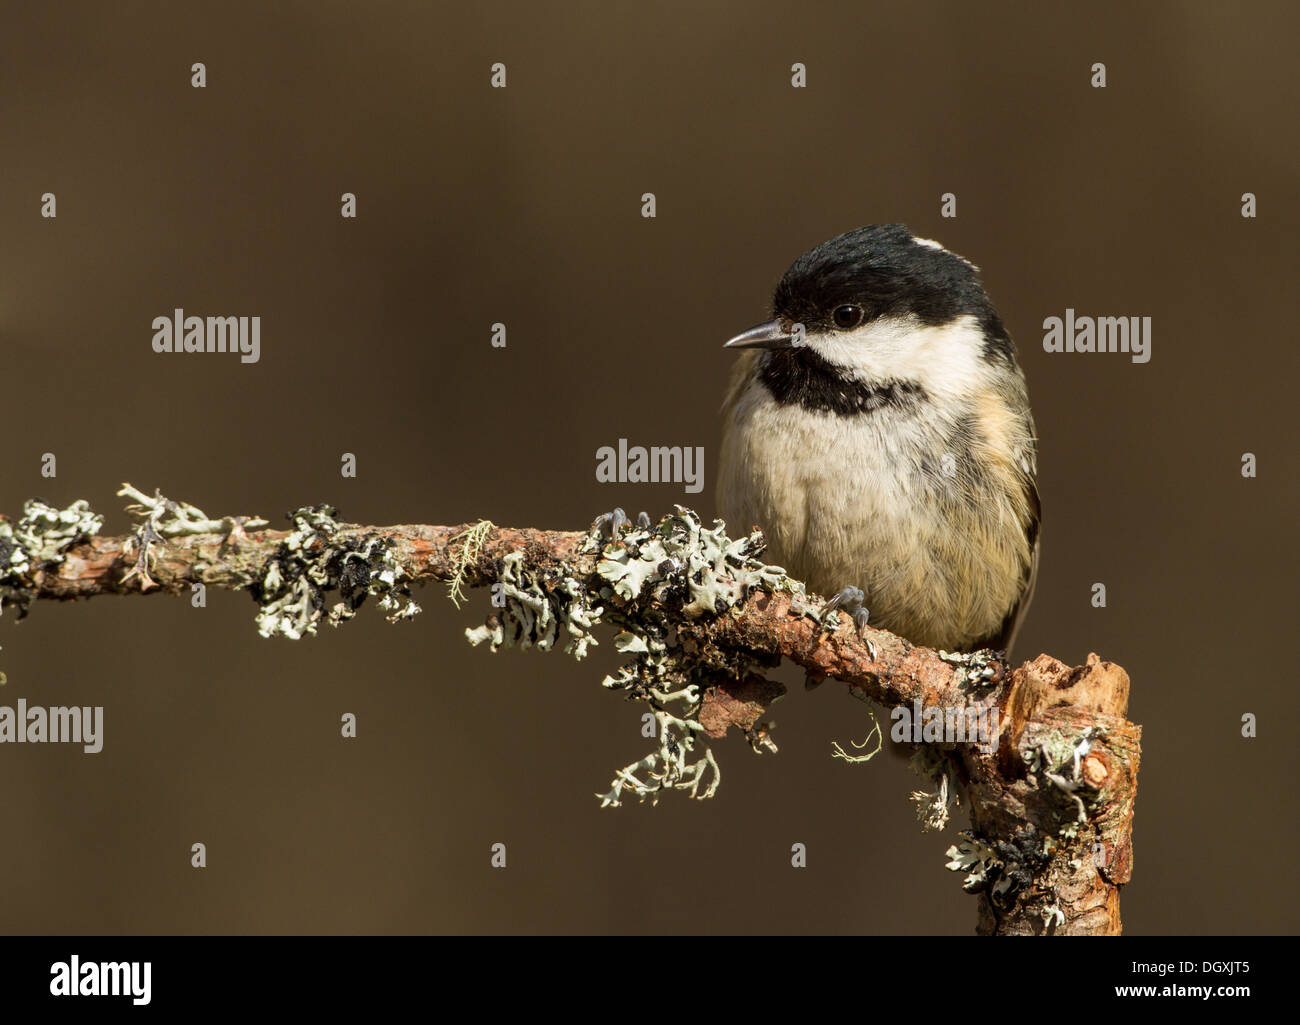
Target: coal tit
{"x": 878, "y": 430}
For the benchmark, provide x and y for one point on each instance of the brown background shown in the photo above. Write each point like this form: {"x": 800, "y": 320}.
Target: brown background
{"x": 479, "y": 205}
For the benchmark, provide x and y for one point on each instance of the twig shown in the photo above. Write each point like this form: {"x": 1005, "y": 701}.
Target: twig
{"x": 1051, "y": 797}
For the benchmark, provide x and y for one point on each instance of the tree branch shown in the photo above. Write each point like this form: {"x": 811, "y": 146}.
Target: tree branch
{"x": 1051, "y": 788}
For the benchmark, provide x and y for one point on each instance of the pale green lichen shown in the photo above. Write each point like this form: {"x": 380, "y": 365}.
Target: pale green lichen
{"x": 1007, "y": 868}
{"x": 980, "y": 668}
{"x": 711, "y": 571}
{"x": 1001, "y": 868}
{"x": 293, "y": 586}
{"x": 981, "y": 863}
{"x": 161, "y": 518}
{"x": 1057, "y": 759}
{"x": 533, "y": 614}
{"x": 472, "y": 546}
{"x": 934, "y": 808}
{"x": 180, "y": 519}
{"x": 654, "y": 573}
{"x": 39, "y": 539}
{"x": 839, "y": 752}
{"x": 316, "y": 559}
{"x": 689, "y": 569}
{"x": 1004, "y": 869}
{"x": 669, "y": 768}
{"x": 46, "y": 532}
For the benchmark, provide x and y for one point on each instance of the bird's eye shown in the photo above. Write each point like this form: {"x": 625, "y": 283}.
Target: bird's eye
{"x": 846, "y": 317}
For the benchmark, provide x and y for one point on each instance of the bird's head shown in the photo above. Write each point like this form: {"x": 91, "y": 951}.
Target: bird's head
{"x": 879, "y": 304}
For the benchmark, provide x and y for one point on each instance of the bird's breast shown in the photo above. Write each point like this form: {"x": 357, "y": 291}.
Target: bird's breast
{"x": 891, "y": 501}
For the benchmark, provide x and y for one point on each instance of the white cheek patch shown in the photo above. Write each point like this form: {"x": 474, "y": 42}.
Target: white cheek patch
{"x": 945, "y": 361}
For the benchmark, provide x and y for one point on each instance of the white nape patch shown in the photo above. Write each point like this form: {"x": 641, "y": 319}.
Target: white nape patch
{"x": 947, "y": 360}
{"x": 932, "y": 244}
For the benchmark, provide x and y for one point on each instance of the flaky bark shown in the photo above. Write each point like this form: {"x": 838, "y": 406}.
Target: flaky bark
{"x": 1051, "y": 807}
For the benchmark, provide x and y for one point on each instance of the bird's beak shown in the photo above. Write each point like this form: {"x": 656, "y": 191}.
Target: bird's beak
{"x": 771, "y": 335}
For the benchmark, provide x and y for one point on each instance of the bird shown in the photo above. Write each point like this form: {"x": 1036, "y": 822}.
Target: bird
{"x": 878, "y": 430}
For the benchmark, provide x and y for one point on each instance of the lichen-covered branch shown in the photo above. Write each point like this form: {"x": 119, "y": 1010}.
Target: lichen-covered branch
{"x": 699, "y": 617}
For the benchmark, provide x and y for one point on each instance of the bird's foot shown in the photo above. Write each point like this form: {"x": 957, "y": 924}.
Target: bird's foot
{"x": 848, "y": 601}
{"x": 611, "y": 524}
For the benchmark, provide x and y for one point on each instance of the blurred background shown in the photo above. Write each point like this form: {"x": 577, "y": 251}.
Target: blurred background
{"x": 523, "y": 206}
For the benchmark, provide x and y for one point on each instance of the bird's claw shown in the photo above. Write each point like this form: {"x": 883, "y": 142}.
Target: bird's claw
{"x": 849, "y": 601}
{"x": 611, "y": 524}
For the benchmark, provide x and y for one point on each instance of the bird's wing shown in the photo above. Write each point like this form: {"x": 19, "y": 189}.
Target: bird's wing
{"x": 1006, "y": 636}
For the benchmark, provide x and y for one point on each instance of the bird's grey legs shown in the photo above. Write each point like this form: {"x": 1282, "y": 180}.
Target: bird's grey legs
{"x": 848, "y": 600}
{"x": 612, "y": 523}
